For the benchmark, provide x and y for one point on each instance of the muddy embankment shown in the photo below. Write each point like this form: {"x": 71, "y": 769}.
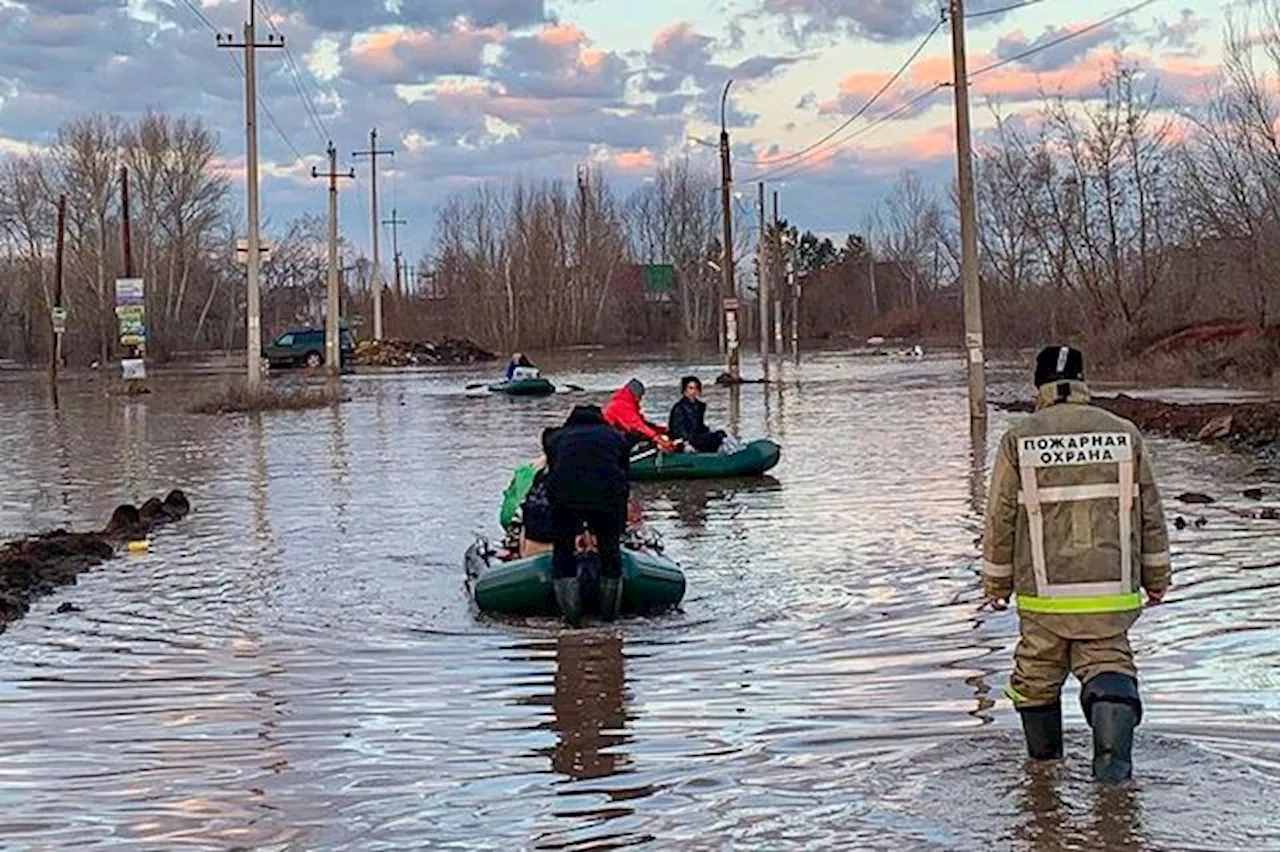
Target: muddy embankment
{"x": 35, "y": 566}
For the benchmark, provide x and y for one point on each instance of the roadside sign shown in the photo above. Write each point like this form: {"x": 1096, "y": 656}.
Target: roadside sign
{"x": 59, "y": 316}
{"x": 731, "y": 304}
{"x": 129, "y": 291}
{"x": 133, "y": 369}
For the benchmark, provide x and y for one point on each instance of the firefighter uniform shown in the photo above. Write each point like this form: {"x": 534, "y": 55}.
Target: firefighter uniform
{"x": 1074, "y": 528}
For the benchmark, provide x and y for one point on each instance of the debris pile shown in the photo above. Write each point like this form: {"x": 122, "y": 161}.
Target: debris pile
{"x": 408, "y": 353}
{"x": 34, "y": 566}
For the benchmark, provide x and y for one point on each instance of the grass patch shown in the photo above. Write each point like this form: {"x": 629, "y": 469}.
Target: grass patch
{"x": 237, "y": 399}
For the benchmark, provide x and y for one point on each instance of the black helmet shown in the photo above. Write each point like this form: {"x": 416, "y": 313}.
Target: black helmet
{"x": 1059, "y": 364}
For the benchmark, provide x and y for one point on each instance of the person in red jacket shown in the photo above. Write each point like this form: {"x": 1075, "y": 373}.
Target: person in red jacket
{"x": 623, "y": 413}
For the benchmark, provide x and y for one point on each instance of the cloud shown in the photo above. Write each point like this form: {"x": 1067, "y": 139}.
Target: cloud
{"x": 359, "y": 15}
{"x": 1180, "y": 35}
{"x": 401, "y": 56}
{"x": 805, "y": 21}
{"x": 681, "y": 70}
{"x": 559, "y": 62}
{"x": 1056, "y": 47}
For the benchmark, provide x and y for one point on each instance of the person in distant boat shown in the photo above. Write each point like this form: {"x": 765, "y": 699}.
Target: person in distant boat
{"x": 520, "y": 367}
{"x": 688, "y": 420}
{"x": 1075, "y": 530}
{"x": 589, "y": 486}
{"x": 526, "y": 504}
{"x": 624, "y": 414}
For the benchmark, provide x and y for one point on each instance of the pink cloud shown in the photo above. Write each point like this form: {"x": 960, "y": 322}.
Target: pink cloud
{"x": 406, "y": 56}
{"x": 634, "y": 161}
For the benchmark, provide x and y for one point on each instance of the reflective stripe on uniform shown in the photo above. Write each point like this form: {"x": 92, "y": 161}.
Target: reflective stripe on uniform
{"x": 1104, "y": 603}
{"x": 999, "y": 572}
{"x": 1014, "y": 695}
{"x": 1155, "y": 560}
{"x": 1114, "y": 450}
{"x": 1071, "y": 493}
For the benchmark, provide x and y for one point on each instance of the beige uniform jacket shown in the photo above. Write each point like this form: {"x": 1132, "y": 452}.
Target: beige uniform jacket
{"x": 1074, "y": 524}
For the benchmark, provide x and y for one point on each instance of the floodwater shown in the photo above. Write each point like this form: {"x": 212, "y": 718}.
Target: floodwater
{"x": 296, "y": 666}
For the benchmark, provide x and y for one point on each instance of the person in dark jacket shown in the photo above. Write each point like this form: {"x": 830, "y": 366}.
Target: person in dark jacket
{"x": 588, "y": 483}
{"x": 688, "y": 420}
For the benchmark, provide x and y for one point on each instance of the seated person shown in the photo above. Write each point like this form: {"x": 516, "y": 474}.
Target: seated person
{"x": 520, "y": 362}
{"x": 688, "y": 421}
{"x": 623, "y": 413}
{"x": 526, "y": 508}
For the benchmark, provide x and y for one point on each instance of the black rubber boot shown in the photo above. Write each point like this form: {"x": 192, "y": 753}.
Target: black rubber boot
{"x": 610, "y": 597}
{"x": 1042, "y": 726}
{"x": 1113, "y": 708}
{"x": 569, "y": 599}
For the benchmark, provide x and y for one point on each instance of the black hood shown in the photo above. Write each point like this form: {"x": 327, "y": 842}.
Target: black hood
{"x": 585, "y": 415}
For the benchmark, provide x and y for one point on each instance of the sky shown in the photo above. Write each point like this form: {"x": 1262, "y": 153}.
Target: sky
{"x": 474, "y": 91}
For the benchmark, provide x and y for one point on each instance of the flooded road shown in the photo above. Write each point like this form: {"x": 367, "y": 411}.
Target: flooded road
{"x": 296, "y": 665}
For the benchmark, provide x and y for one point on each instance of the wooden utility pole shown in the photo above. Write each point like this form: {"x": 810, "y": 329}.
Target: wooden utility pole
{"x": 250, "y": 44}
{"x": 126, "y": 236}
{"x": 729, "y": 294}
{"x": 333, "y": 295}
{"x": 58, "y": 317}
{"x": 972, "y": 294}
{"x": 373, "y": 153}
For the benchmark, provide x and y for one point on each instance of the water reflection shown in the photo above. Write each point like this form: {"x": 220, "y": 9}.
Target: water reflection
{"x": 589, "y": 705}
{"x": 1055, "y": 818}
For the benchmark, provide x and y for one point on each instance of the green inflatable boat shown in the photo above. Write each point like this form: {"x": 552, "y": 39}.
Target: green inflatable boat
{"x": 651, "y": 465}
{"x": 524, "y": 387}
{"x": 651, "y": 583}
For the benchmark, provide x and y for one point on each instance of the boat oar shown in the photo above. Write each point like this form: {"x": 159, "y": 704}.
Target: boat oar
{"x": 477, "y": 385}
{"x": 570, "y": 388}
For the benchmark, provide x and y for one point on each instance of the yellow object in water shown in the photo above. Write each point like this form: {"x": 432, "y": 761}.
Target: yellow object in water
{"x": 139, "y": 546}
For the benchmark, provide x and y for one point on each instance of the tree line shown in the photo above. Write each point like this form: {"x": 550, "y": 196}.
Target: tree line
{"x": 1113, "y": 221}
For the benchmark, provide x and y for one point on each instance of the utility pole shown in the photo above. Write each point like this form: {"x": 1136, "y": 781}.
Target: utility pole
{"x": 333, "y": 295}
{"x": 373, "y": 153}
{"x": 775, "y": 270}
{"x": 973, "y": 337}
{"x": 871, "y": 284}
{"x": 729, "y": 295}
{"x": 395, "y": 221}
{"x": 250, "y": 44}
{"x": 766, "y": 266}
{"x": 59, "y": 318}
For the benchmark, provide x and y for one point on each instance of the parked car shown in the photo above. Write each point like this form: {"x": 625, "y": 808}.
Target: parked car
{"x": 304, "y": 347}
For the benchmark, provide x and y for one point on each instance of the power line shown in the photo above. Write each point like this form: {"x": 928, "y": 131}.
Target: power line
{"x": 986, "y": 13}
{"x": 295, "y": 74}
{"x": 798, "y": 167}
{"x": 204, "y": 19}
{"x": 798, "y": 155}
{"x": 1065, "y": 37}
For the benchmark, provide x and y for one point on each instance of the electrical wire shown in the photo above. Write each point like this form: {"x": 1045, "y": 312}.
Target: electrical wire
{"x": 798, "y": 155}
{"x": 295, "y": 73}
{"x": 798, "y": 167}
{"x": 1065, "y": 37}
{"x": 284, "y": 137}
{"x": 1013, "y": 7}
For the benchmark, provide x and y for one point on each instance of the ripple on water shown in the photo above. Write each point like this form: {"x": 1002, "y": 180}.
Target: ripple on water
{"x": 296, "y": 665}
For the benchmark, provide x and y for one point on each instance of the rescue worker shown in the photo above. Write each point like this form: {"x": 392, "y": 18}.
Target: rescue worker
{"x": 589, "y": 487}
{"x": 624, "y": 414}
{"x": 518, "y": 360}
{"x": 688, "y": 420}
{"x": 1074, "y": 527}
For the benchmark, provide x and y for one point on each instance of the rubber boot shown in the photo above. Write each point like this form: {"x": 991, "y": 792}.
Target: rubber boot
{"x": 610, "y": 597}
{"x": 1113, "y": 709}
{"x": 569, "y": 599}
{"x": 1042, "y": 726}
